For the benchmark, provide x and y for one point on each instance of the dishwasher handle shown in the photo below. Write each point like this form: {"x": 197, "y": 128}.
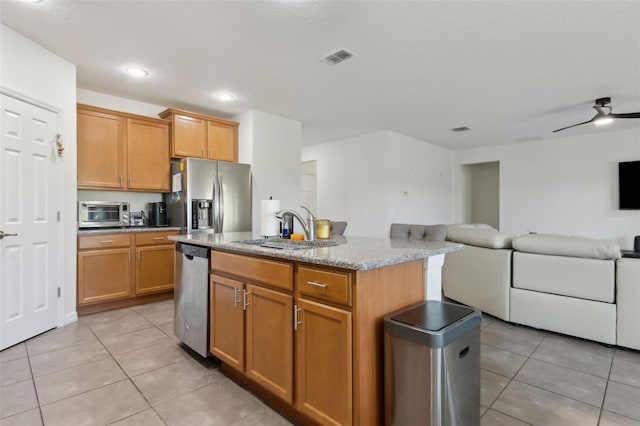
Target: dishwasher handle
{"x": 190, "y": 251}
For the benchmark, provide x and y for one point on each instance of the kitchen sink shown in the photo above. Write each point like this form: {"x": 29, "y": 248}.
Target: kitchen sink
{"x": 279, "y": 243}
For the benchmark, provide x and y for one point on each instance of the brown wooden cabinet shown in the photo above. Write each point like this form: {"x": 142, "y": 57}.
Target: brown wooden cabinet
{"x": 251, "y": 323}
{"x": 227, "y": 321}
{"x": 323, "y": 363}
{"x": 155, "y": 262}
{"x": 100, "y": 149}
{"x": 202, "y": 136}
{"x": 120, "y": 151}
{"x": 148, "y": 166}
{"x": 122, "y": 266}
{"x": 338, "y": 359}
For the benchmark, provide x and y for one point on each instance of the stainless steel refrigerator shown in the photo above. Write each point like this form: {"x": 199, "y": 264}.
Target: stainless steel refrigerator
{"x": 209, "y": 196}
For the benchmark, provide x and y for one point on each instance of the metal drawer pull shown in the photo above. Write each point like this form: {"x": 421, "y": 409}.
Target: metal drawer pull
{"x": 245, "y": 293}
{"x": 235, "y": 296}
{"x": 296, "y": 323}
{"x": 158, "y": 238}
{"x": 106, "y": 241}
{"x": 317, "y": 284}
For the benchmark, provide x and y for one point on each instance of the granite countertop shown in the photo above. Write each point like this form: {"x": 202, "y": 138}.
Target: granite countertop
{"x": 356, "y": 253}
{"x": 101, "y": 231}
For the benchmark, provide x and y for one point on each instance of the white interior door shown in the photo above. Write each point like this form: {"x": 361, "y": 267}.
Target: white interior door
{"x": 29, "y": 205}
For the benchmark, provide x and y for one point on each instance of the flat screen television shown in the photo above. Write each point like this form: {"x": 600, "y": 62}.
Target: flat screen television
{"x": 629, "y": 184}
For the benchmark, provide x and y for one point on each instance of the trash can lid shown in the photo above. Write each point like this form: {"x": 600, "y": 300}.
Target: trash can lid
{"x": 433, "y": 315}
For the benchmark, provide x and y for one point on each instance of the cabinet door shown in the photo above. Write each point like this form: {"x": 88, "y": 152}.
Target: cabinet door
{"x": 221, "y": 142}
{"x": 154, "y": 269}
{"x": 104, "y": 275}
{"x": 100, "y": 150}
{"x": 269, "y": 340}
{"x": 189, "y": 136}
{"x": 323, "y": 363}
{"x": 147, "y": 155}
{"x": 227, "y": 321}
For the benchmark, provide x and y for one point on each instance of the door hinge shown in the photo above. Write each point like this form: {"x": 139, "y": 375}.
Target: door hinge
{"x": 59, "y": 291}
{"x": 58, "y": 215}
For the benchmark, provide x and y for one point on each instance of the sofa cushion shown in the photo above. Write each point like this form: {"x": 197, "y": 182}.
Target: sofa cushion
{"x": 567, "y": 245}
{"x": 418, "y": 232}
{"x": 480, "y": 237}
{"x": 592, "y": 279}
{"x": 470, "y": 226}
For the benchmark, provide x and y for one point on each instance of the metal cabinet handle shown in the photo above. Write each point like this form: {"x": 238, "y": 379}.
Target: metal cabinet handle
{"x": 121, "y": 181}
{"x": 317, "y": 284}
{"x": 129, "y": 255}
{"x": 106, "y": 241}
{"x": 4, "y": 234}
{"x": 138, "y": 255}
{"x": 296, "y": 323}
{"x": 130, "y": 180}
{"x": 158, "y": 238}
{"x": 245, "y": 293}
{"x": 235, "y": 297}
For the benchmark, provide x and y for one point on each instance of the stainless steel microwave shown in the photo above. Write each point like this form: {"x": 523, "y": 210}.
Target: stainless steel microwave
{"x": 102, "y": 214}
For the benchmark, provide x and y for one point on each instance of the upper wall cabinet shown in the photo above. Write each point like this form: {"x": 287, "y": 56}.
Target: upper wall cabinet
{"x": 121, "y": 151}
{"x": 202, "y": 136}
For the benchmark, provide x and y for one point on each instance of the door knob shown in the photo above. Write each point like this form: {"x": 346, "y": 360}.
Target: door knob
{"x": 3, "y": 234}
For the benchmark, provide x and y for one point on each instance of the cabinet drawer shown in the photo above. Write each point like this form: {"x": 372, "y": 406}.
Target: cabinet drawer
{"x": 153, "y": 238}
{"x": 325, "y": 284}
{"x": 278, "y": 274}
{"x": 103, "y": 241}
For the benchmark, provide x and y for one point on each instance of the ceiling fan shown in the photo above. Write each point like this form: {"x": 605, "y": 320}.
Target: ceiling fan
{"x": 603, "y": 114}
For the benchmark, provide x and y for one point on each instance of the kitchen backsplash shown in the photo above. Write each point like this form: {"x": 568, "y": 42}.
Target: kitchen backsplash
{"x": 137, "y": 200}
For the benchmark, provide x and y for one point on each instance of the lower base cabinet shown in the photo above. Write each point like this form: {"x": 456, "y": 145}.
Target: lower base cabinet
{"x": 251, "y": 331}
{"x": 323, "y": 363}
{"x": 121, "y": 266}
{"x": 308, "y": 337}
{"x": 104, "y": 275}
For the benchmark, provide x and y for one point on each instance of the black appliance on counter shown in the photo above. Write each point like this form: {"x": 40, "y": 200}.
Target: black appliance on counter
{"x": 157, "y": 214}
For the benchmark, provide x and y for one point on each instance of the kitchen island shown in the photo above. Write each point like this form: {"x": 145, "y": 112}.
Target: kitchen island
{"x": 303, "y": 327}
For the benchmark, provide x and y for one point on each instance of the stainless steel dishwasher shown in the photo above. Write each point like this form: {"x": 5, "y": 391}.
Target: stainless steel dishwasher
{"x": 191, "y": 323}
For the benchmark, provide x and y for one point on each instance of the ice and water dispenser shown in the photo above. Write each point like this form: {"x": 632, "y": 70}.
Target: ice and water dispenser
{"x": 202, "y": 214}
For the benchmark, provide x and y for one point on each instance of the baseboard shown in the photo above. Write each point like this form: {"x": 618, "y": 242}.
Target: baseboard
{"x": 70, "y": 317}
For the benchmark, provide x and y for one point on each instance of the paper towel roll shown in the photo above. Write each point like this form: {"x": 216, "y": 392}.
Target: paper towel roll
{"x": 270, "y": 224}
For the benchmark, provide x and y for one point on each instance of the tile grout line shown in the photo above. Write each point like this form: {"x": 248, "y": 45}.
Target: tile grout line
{"x": 511, "y": 380}
{"x": 606, "y": 387}
{"x": 33, "y": 380}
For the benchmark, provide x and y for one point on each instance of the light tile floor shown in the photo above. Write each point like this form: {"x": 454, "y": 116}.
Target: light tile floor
{"x": 126, "y": 367}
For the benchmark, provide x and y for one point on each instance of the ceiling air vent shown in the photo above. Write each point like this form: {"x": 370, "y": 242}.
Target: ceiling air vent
{"x": 338, "y": 56}
{"x": 460, "y": 129}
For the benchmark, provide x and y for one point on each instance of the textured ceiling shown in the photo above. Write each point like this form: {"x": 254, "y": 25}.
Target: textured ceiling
{"x": 512, "y": 71}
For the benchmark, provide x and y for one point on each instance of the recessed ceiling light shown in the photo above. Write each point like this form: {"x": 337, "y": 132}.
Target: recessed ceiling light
{"x": 32, "y": 1}
{"x": 136, "y": 71}
{"x": 225, "y": 96}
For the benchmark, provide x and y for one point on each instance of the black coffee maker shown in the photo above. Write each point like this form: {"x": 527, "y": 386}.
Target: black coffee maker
{"x": 157, "y": 214}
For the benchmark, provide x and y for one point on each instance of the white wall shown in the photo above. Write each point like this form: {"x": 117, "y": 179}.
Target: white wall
{"x": 363, "y": 180}
{"x": 567, "y": 185}
{"x": 32, "y": 71}
{"x": 271, "y": 144}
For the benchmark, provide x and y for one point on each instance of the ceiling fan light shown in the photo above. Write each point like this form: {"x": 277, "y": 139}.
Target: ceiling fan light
{"x": 602, "y": 121}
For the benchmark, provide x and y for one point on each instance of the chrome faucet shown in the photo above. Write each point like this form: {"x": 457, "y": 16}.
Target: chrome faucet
{"x": 309, "y": 226}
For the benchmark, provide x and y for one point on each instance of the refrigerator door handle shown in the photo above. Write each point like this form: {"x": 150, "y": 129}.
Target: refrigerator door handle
{"x": 216, "y": 195}
{"x": 221, "y": 201}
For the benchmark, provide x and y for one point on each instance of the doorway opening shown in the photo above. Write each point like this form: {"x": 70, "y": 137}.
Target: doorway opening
{"x": 481, "y": 193}
{"x": 309, "y": 176}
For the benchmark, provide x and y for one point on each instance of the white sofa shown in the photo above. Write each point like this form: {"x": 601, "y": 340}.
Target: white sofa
{"x": 572, "y": 285}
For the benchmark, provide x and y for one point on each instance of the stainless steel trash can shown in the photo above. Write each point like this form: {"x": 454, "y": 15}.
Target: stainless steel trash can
{"x": 432, "y": 365}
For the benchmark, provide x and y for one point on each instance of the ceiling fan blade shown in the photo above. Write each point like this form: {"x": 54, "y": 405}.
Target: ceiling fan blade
{"x": 579, "y": 124}
{"x": 626, "y": 115}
